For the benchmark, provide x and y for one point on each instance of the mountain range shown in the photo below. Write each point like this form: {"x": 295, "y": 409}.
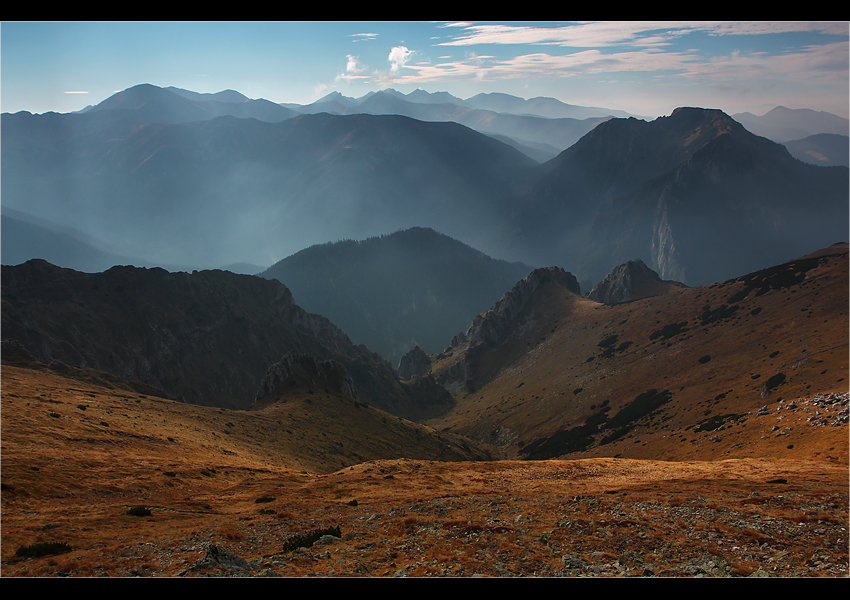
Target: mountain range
{"x": 543, "y": 373}
{"x": 555, "y": 365}
{"x": 694, "y": 195}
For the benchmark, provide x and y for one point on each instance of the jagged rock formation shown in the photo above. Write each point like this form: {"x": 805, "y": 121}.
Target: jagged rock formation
{"x": 632, "y": 280}
{"x": 303, "y": 370}
{"x": 492, "y": 330}
{"x": 414, "y": 363}
{"x": 488, "y": 326}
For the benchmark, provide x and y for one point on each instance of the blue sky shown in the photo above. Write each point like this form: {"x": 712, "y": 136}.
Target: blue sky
{"x": 644, "y": 68}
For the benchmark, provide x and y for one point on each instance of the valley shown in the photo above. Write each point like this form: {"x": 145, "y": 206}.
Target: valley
{"x": 409, "y": 335}
{"x": 731, "y": 471}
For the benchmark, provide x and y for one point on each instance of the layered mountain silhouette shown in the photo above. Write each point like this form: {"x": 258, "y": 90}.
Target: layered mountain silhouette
{"x": 415, "y": 287}
{"x": 539, "y": 127}
{"x": 694, "y": 195}
{"x": 782, "y": 124}
{"x": 822, "y": 149}
{"x": 228, "y": 190}
{"x": 206, "y": 337}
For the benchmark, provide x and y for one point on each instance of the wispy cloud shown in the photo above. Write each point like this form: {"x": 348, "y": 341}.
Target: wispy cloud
{"x": 635, "y": 47}
{"x": 363, "y": 37}
{"x": 634, "y": 33}
{"x": 76, "y": 92}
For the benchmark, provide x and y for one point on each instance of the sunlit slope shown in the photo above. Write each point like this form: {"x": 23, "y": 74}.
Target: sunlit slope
{"x": 655, "y": 377}
{"x": 49, "y": 412}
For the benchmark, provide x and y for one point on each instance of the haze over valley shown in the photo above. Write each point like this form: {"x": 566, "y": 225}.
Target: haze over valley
{"x": 450, "y": 317}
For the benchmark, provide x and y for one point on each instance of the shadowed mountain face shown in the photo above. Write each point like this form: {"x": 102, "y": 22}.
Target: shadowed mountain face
{"x": 694, "y": 195}
{"x": 394, "y": 292}
{"x": 207, "y": 337}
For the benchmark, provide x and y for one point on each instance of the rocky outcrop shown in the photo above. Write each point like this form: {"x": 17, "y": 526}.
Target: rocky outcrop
{"x": 305, "y": 371}
{"x": 630, "y": 281}
{"x": 414, "y": 363}
{"x": 493, "y": 328}
{"x": 488, "y": 326}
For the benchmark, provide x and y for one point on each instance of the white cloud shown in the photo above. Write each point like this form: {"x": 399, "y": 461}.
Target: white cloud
{"x": 399, "y": 55}
{"x": 353, "y": 66}
{"x": 353, "y": 70}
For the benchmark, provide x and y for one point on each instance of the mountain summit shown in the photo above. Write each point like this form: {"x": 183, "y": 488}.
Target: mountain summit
{"x": 694, "y": 195}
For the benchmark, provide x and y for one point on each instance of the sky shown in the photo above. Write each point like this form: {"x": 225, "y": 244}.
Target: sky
{"x": 645, "y": 68}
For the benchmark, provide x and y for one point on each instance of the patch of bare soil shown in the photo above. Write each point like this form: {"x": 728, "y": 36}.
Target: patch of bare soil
{"x": 225, "y": 506}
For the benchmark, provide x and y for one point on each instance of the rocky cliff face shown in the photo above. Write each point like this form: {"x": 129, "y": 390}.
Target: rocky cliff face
{"x": 488, "y": 326}
{"x": 207, "y": 337}
{"x": 630, "y": 281}
{"x": 306, "y": 372}
{"x": 414, "y": 363}
{"x": 497, "y": 327}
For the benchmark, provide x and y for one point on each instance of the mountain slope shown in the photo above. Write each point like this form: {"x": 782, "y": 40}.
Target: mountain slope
{"x": 656, "y": 377}
{"x": 782, "y": 124}
{"x": 228, "y": 190}
{"x": 694, "y": 195}
{"x": 394, "y": 292}
{"x": 207, "y": 337}
{"x": 822, "y": 149}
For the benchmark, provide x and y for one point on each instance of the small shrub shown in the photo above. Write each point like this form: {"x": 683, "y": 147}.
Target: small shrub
{"x": 139, "y": 511}
{"x": 306, "y": 540}
{"x": 263, "y": 499}
{"x": 45, "y": 549}
{"x": 704, "y": 359}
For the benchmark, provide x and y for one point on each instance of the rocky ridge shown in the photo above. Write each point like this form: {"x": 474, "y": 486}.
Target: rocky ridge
{"x": 414, "y": 363}
{"x": 296, "y": 369}
{"x": 207, "y": 337}
{"x": 488, "y": 327}
{"x": 629, "y": 281}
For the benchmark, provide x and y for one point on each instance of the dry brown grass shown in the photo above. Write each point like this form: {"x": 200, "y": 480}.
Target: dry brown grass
{"x": 72, "y": 479}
